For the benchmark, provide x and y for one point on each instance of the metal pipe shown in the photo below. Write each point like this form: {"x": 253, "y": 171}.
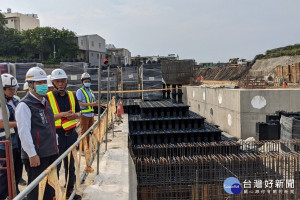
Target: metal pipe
{"x": 36, "y": 181}
{"x": 7, "y": 131}
{"x": 107, "y": 100}
{"x": 99, "y": 110}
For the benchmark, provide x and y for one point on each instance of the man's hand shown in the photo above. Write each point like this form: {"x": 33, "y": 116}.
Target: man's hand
{"x": 34, "y": 161}
{"x": 71, "y": 115}
{"x": 95, "y": 103}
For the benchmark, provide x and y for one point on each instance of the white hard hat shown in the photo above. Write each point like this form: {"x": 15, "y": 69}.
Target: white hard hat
{"x": 49, "y": 83}
{"x": 9, "y": 80}
{"x": 85, "y": 75}
{"x": 36, "y": 74}
{"x": 58, "y": 74}
{"x": 25, "y": 86}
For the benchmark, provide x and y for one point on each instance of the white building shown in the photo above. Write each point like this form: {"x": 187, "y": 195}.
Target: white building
{"x": 89, "y": 48}
{"x": 21, "y": 22}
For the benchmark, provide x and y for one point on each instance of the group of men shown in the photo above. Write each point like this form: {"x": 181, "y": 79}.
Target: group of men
{"x": 42, "y": 125}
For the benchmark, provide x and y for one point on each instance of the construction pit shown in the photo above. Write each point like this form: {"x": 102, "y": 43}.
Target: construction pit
{"x": 198, "y": 142}
{"x": 175, "y": 151}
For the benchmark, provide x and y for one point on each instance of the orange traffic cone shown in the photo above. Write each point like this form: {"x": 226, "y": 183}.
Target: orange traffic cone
{"x": 284, "y": 84}
{"x": 265, "y": 85}
{"x": 120, "y": 109}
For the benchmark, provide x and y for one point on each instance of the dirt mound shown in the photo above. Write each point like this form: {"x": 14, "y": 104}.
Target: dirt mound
{"x": 221, "y": 73}
{"x": 267, "y": 66}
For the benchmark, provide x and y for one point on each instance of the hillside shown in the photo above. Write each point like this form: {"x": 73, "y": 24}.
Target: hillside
{"x": 267, "y": 66}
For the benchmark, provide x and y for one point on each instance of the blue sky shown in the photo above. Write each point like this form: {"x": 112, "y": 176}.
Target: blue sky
{"x": 204, "y": 30}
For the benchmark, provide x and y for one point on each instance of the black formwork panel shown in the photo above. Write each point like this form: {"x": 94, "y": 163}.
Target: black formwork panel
{"x": 152, "y": 72}
{"x": 208, "y": 133}
{"x": 186, "y": 149}
{"x": 73, "y": 88}
{"x": 152, "y": 79}
{"x": 113, "y": 87}
{"x": 131, "y": 107}
{"x": 152, "y": 95}
{"x": 131, "y": 86}
{"x": 268, "y": 131}
{"x": 163, "y": 109}
{"x": 192, "y": 122}
{"x": 73, "y": 68}
{"x": 130, "y": 81}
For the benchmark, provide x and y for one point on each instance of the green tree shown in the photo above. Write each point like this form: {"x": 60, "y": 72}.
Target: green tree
{"x": 49, "y": 43}
{"x": 10, "y": 40}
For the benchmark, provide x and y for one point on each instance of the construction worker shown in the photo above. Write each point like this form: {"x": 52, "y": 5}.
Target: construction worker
{"x": 49, "y": 83}
{"x": 25, "y": 87}
{"x": 36, "y": 129}
{"x": 87, "y": 100}
{"x": 10, "y": 86}
{"x": 66, "y": 112}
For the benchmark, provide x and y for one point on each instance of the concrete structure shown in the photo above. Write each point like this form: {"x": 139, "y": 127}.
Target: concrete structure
{"x": 117, "y": 177}
{"x": 89, "y": 48}
{"x": 236, "y": 111}
{"x": 21, "y": 22}
{"x": 123, "y": 53}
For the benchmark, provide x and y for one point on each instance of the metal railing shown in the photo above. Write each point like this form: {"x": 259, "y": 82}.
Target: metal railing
{"x": 10, "y": 173}
{"x": 46, "y": 172}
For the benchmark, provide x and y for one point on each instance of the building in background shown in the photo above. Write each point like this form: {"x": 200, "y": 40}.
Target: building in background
{"x": 89, "y": 48}
{"x": 143, "y": 59}
{"x": 118, "y": 56}
{"x": 21, "y": 22}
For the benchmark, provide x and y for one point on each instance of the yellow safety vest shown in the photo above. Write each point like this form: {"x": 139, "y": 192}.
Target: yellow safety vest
{"x": 90, "y": 108}
{"x": 63, "y": 122}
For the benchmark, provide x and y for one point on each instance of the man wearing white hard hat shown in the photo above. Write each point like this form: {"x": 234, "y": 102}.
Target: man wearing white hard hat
{"x": 10, "y": 86}
{"x": 87, "y": 100}
{"x": 49, "y": 83}
{"x": 36, "y": 128}
{"x": 66, "y": 111}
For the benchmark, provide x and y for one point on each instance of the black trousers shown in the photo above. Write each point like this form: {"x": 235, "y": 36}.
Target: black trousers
{"x": 64, "y": 142}
{"x": 18, "y": 166}
{"x": 34, "y": 172}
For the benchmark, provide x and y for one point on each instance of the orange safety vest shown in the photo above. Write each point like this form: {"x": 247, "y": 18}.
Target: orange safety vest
{"x": 63, "y": 122}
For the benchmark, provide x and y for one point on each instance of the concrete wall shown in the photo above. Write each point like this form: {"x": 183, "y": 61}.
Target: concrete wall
{"x": 236, "y": 111}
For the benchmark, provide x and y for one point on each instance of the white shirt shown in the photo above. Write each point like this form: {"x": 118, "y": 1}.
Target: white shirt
{"x": 23, "y": 118}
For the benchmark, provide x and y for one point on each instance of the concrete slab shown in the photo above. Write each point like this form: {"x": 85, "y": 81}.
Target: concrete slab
{"x": 117, "y": 177}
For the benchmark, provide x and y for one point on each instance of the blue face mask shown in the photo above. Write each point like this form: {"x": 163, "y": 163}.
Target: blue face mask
{"x": 42, "y": 89}
{"x": 87, "y": 85}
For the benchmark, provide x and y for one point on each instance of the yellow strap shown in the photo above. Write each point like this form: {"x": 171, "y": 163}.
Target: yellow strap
{"x": 53, "y": 102}
{"x": 72, "y": 100}
{"x": 54, "y": 107}
{"x": 90, "y": 108}
{"x": 69, "y": 123}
